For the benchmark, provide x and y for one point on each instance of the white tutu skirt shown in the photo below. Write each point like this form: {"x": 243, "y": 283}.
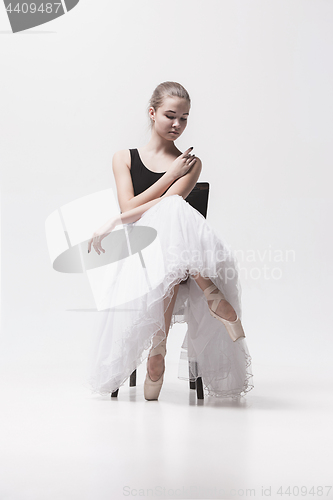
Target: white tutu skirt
{"x": 185, "y": 245}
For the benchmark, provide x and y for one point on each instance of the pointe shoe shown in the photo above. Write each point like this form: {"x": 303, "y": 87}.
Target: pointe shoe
{"x": 234, "y": 328}
{"x": 152, "y": 388}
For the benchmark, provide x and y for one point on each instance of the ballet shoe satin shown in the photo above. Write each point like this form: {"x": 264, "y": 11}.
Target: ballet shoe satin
{"x": 152, "y": 388}
{"x": 234, "y": 328}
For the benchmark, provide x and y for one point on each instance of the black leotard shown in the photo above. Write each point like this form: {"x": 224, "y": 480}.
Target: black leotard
{"x": 142, "y": 177}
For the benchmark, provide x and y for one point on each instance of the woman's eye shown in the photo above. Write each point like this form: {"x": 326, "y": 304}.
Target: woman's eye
{"x": 171, "y": 117}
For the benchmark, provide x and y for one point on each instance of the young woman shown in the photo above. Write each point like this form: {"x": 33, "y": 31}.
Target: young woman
{"x": 152, "y": 185}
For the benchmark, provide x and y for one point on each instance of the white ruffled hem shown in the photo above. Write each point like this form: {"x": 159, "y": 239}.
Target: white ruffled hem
{"x": 126, "y": 334}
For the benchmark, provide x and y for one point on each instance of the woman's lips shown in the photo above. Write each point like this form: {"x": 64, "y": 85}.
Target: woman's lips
{"x": 176, "y": 133}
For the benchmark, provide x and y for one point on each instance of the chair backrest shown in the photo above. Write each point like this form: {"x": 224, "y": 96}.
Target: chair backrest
{"x": 198, "y": 197}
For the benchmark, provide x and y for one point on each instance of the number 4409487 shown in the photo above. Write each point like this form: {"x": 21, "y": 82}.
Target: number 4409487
{"x": 32, "y": 8}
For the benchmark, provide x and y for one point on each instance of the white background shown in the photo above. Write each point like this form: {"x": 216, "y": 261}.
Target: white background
{"x": 75, "y": 90}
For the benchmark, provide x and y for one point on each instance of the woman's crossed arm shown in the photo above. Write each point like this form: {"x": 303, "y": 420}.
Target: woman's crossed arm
{"x": 182, "y": 187}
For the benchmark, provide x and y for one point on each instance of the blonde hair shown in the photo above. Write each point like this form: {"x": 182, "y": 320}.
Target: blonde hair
{"x": 163, "y": 90}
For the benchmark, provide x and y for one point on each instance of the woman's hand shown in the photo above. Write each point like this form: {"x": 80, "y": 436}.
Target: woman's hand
{"x": 181, "y": 165}
{"x": 100, "y": 234}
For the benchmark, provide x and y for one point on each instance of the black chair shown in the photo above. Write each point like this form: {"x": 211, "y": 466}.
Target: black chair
{"x": 198, "y": 199}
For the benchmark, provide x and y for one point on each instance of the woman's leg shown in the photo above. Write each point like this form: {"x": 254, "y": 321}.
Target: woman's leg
{"x": 224, "y": 309}
{"x": 156, "y": 363}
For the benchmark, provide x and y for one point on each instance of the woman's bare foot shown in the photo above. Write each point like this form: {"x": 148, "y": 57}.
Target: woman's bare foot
{"x": 155, "y": 366}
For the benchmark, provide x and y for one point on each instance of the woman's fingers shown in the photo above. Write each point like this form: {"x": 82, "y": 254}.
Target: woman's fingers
{"x": 190, "y": 161}
{"x": 186, "y": 152}
{"x": 189, "y": 157}
{"x": 98, "y": 246}
{"x": 98, "y": 249}
{"x": 100, "y": 234}
{"x": 96, "y": 243}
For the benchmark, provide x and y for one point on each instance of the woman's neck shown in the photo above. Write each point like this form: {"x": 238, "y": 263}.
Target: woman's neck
{"x": 159, "y": 146}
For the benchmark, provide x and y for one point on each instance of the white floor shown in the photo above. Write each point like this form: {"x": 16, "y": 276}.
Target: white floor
{"x": 59, "y": 442}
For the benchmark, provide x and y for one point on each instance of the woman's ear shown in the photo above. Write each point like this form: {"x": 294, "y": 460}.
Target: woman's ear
{"x": 152, "y": 113}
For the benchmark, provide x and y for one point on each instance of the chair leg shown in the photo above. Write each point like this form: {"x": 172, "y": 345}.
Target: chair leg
{"x": 191, "y": 380}
{"x": 200, "y": 392}
{"x": 197, "y": 383}
{"x": 132, "y": 383}
{"x": 194, "y": 384}
{"x": 132, "y": 380}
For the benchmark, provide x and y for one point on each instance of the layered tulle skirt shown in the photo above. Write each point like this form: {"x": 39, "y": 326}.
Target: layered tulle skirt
{"x": 138, "y": 289}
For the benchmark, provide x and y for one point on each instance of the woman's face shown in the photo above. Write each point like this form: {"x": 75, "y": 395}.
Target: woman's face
{"x": 171, "y": 117}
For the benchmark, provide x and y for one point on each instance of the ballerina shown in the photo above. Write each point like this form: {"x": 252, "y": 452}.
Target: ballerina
{"x": 152, "y": 185}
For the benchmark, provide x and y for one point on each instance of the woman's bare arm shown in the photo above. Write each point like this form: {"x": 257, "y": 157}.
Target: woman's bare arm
{"x": 182, "y": 187}
{"x": 126, "y": 199}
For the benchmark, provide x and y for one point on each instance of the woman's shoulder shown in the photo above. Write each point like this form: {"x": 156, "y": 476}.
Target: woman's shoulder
{"x": 121, "y": 157}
